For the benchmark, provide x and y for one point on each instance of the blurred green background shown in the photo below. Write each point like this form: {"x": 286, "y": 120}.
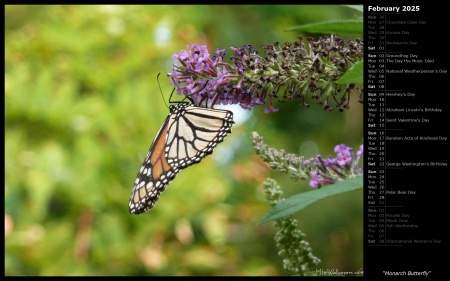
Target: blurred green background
{"x": 82, "y": 106}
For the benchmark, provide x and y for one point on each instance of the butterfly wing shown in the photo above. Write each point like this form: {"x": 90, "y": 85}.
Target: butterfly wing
{"x": 154, "y": 175}
{"x": 195, "y": 135}
{"x": 187, "y": 135}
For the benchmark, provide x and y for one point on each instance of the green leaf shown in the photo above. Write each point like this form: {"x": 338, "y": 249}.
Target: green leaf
{"x": 354, "y": 75}
{"x": 338, "y": 27}
{"x": 359, "y": 8}
{"x": 298, "y": 202}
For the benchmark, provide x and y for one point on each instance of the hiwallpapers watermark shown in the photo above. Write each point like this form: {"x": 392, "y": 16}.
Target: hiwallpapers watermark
{"x": 337, "y": 272}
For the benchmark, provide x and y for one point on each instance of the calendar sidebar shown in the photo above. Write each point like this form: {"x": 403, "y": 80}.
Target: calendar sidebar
{"x": 406, "y": 139}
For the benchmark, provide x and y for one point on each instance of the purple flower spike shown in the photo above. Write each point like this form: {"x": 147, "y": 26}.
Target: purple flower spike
{"x": 285, "y": 73}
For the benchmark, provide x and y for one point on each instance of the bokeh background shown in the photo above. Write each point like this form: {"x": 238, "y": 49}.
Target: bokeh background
{"x": 82, "y": 106}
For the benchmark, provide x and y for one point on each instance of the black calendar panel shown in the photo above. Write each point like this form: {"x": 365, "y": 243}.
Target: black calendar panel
{"x": 406, "y": 139}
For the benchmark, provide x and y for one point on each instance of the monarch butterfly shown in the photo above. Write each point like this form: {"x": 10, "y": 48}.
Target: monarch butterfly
{"x": 188, "y": 134}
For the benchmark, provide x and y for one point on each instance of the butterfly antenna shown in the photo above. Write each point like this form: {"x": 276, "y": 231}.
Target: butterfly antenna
{"x": 157, "y": 79}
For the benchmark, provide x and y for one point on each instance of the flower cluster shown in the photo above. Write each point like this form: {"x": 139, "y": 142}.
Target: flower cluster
{"x": 288, "y": 72}
{"x": 320, "y": 171}
{"x": 330, "y": 170}
{"x": 293, "y": 247}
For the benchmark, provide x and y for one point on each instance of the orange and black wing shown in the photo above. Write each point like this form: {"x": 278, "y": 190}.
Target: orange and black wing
{"x": 154, "y": 175}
